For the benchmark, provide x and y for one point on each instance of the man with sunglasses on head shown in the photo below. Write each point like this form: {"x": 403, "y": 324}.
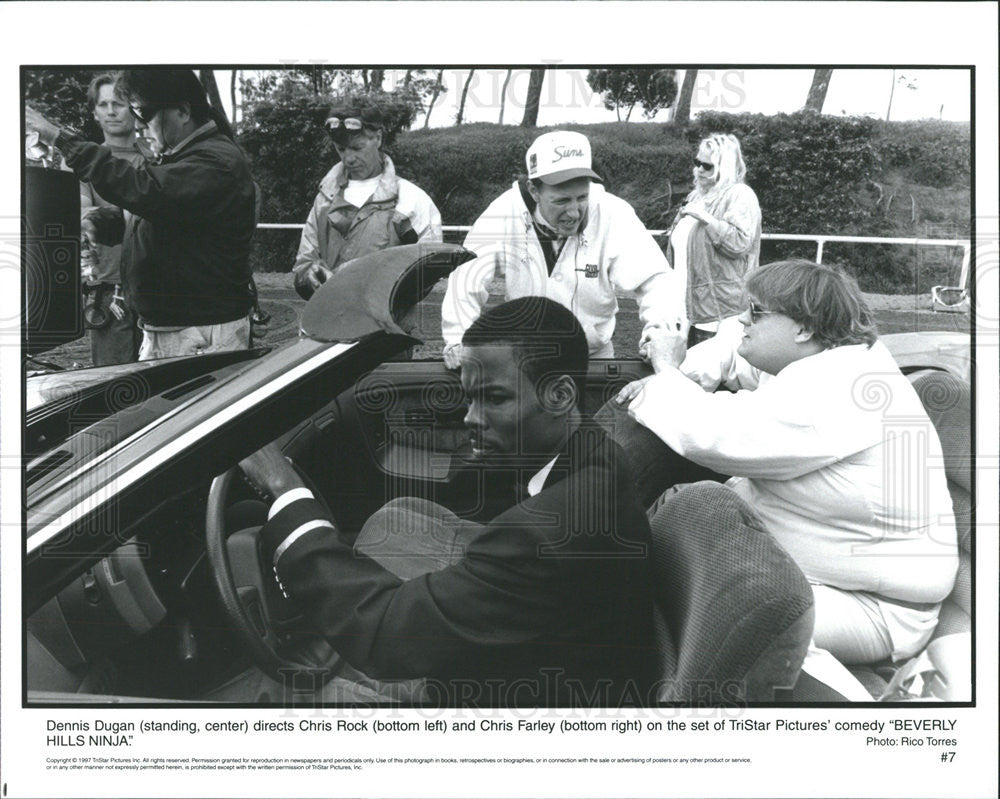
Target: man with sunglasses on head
{"x": 191, "y": 214}
{"x": 559, "y": 234}
{"x": 362, "y": 205}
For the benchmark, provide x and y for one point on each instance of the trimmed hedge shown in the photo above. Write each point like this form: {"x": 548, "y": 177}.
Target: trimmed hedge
{"x": 929, "y": 153}
{"x": 812, "y": 174}
{"x": 805, "y": 168}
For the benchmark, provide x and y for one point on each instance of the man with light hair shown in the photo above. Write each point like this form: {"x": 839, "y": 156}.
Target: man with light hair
{"x": 362, "y": 206}
{"x": 560, "y": 235}
{"x": 113, "y": 326}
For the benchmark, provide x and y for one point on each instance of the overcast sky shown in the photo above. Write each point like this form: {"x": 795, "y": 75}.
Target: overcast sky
{"x": 566, "y": 97}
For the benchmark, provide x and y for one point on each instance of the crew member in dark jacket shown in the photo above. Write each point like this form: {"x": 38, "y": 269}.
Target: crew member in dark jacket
{"x": 550, "y": 603}
{"x": 187, "y": 238}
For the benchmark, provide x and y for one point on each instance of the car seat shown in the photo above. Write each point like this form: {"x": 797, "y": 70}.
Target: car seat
{"x": 946, "y": 661}
{"x": 733, "y": 613}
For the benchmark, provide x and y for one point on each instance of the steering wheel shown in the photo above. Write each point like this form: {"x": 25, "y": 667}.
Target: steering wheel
{"x": 252, "y": 602}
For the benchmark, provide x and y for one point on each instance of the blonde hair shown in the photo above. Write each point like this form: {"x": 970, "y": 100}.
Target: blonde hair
{"x": 727, "y": 155}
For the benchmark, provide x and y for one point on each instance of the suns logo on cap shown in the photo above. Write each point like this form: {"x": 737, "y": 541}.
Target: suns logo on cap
{"x": 533, "y": 162}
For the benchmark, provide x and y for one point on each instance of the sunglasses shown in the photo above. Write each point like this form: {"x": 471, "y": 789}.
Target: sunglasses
{"x": 145, "y": 113}
{"x": 702, "y": 165}
{"x": 349, "y": 123}
{"x": 757, "y": 311}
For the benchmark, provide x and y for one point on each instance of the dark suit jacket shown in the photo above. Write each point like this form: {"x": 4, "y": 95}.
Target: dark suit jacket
{"x": 551, "y": 605}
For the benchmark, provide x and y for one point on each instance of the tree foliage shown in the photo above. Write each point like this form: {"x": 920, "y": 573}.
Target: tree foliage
{"x": 61, "y": 96}
{"x": 651, "y": 89}
{"x": 315, "y": 79}
{"x": 414, "y": 90}
{"x": 422, "y": 84}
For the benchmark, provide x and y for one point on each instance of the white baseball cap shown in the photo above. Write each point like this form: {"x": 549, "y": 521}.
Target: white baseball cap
{"x": 559, "y": 156}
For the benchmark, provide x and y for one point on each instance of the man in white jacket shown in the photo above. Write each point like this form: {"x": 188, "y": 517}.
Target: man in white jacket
{"x": 560, "y": 235}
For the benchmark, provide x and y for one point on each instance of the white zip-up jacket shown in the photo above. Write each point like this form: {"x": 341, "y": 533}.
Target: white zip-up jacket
{"x": 613, "y": 253}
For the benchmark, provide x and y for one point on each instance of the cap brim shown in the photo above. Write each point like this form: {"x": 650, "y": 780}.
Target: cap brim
{"x": 555, "y": 178}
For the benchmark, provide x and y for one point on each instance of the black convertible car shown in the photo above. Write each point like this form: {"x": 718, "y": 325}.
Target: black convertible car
{"x": 133, "y": 588}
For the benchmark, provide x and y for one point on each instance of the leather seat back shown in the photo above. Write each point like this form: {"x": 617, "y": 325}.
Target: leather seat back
{"x": 948, "y": 403}
{"x": 734, "y": 614}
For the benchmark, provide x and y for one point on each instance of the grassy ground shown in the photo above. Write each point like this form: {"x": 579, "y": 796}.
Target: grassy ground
{"x": 895, "y": 314}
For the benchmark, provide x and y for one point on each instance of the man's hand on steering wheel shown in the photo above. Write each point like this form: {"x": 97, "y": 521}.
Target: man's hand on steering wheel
{"x": 271, "y": 471}
{"x": 245, "y": 578}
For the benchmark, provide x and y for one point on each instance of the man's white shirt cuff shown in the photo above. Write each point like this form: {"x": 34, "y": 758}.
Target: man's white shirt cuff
{"x": 287, "y": 499}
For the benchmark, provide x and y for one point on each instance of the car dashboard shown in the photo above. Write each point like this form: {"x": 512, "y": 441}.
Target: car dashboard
{"x": 142, "y": 621}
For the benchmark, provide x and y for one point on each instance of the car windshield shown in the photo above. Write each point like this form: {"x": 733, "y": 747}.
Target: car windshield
{"x": 83, "y": 418}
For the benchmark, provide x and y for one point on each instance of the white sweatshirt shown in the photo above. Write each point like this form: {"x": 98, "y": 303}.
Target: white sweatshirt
{"x": 837, "y": 455}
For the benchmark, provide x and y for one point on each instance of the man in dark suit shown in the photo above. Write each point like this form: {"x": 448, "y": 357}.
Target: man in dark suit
{"x": 548, "y": 604}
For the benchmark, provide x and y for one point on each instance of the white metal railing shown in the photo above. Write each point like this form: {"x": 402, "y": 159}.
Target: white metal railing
{"x": 943, "y": 297}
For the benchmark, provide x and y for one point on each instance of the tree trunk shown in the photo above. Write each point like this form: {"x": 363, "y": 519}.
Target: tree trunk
{"x": 465, "y": 93}
{"x": 818, "y": 89}
{"x": 503, "y": 94}
{"x": 682, "y": 114}
{"x": 530, "y": 118}
{"x": 892, "y": 91}
{"x": 232, "y": 94}
{"x": 207, "y": 78}
{"x": 434, "y": 97}
{"x": 376, "y": 79}
{"x": 408, "y": 77}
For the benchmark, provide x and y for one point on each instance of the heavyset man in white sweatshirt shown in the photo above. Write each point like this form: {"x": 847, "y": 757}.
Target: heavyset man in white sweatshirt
{"x": 831, "y": 446}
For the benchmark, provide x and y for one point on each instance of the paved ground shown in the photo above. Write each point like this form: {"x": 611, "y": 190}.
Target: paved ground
{"x": 894, "y": 313}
